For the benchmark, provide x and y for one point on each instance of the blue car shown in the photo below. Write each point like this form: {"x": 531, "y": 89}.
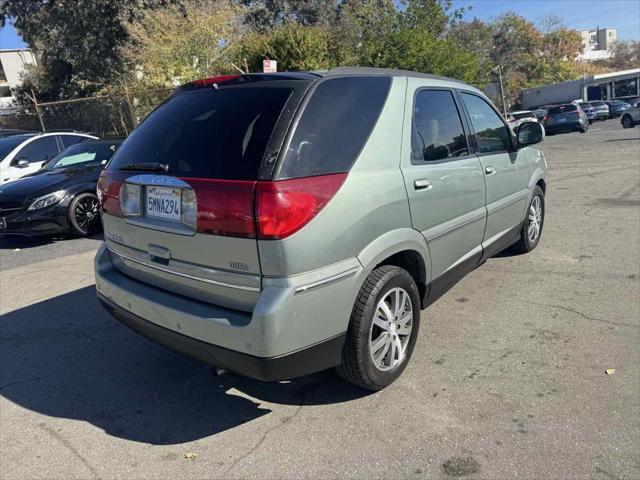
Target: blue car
{"x": 617, "y": 108}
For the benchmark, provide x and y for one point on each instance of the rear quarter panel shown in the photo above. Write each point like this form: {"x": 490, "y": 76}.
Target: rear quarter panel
{"x": 371, "y": 202}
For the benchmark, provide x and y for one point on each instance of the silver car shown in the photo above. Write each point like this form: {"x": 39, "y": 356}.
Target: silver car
{"x": 278, "y": 225}
{"x": 632, "y": 117}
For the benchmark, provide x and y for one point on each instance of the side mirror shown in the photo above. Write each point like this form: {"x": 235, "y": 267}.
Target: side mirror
{"x": 529, "y": 133}
{"x": 22, "y": 163}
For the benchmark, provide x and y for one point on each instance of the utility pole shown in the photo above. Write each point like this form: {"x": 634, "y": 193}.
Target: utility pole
{"x": 504, "y": 105}
{"x": 33, "y": 98}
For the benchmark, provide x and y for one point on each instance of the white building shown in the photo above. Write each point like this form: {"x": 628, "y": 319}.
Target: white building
{"x": 596, "y": 44}
{"x": 13, "y": 63}
{"x": 622, "y": 85}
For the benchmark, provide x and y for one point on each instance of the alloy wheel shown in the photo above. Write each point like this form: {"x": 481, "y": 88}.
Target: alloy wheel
{"x": 391, "y": 329}
{"x": 535, "y": 219}
{"x": 86, "y": 213}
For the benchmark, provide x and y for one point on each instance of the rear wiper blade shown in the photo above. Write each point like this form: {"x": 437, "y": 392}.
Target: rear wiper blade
{"x": 146, "y": 167}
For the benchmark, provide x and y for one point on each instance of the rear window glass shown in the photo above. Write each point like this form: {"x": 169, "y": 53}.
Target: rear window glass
{"x": 207, "y": 133}
{"x": 335, "y": 125}
{"x": 562, "y": 109}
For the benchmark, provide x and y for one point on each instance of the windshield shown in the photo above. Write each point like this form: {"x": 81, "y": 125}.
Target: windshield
{"x": 87, "y": 154}
{"x": 7, "y": 144}
{"x": 519, "y": 116}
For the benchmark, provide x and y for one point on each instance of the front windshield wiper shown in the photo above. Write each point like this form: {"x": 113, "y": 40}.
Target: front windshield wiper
{"x": 146, "y": 167}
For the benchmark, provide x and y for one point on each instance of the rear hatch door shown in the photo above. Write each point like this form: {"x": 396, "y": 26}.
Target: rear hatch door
{"x": 178, "y": 196}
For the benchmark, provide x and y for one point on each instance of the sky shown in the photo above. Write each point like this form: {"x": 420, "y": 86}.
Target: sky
{"x": 624, "y": 15}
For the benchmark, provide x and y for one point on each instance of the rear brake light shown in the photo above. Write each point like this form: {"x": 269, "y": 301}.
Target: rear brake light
{"x": 546, "y": 117}
{"x": 284, "y": 207}
{"x": 219, "y": 79}
{"x": 224, "y": 207}
{"x": 109, "y": 192}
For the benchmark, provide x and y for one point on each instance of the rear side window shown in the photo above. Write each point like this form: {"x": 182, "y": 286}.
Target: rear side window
{"x": 436, "y": 130}
{"x": 207, "y": 133}
{"x": 492, "y": 135}
{"x": 334, "y": 126}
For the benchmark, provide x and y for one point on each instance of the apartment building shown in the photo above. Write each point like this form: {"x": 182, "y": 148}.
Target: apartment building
{"x": 13, "y": 63}
{"x": 597, "y": 43}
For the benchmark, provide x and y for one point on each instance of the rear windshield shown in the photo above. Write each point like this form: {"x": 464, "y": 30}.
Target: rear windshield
{"x": 562, "y": 109}
{"x": 519, "y": 116}
{"x": 207, "y": 133}
{"x": 335, "y": 125}
{"x": 597, "y": 104}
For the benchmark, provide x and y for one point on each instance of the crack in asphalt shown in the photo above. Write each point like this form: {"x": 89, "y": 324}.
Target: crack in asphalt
{"x": 70, "y": 448}
{"x": 267, "y": 432}
{"x": 577, "y": 312}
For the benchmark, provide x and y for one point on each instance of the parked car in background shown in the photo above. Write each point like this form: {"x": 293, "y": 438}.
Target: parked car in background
{"x": 540, "y": 114}
{"x": 566, "y": 118}
{"x": 617, "y": 108}
{"x": 26, "y": 153}
{"x": 276, "y": 248}
{"x": 601, "y": 109}
{"x": 59, "y": 198}
{"x": 589, "y": 111}
{"x": 631, "y": 117}
{"x": 516, "y": 118}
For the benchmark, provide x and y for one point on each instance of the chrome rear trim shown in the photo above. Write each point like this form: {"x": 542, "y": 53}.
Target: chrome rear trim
{"x": 325, "y": 281}
{"x": 183, "y": 275}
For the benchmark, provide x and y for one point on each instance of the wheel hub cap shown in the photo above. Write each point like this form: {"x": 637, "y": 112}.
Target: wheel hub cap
{"x": 391, "y": 329}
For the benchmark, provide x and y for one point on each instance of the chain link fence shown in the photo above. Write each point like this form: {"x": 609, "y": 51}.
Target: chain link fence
{"x": 104, "y": 116}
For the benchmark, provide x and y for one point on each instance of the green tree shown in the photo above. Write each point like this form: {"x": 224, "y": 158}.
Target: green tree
{"x": 77, "y": 41}
{"x": 625, "y": 55}
{"x": 177, "y": 44}
{"x": 294, "y": 46}
{"x": 264, "y": 15}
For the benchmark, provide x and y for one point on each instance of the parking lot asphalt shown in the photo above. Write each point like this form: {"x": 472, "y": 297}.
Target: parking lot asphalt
{"x": 507, "y": 379}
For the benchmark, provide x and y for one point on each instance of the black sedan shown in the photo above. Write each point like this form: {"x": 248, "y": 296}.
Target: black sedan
{"x": 61, "y": 197}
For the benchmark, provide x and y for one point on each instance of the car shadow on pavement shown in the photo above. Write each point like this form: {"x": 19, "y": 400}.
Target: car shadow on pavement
{"x": 66, "y": 357}
{"x": 24, "y": 243}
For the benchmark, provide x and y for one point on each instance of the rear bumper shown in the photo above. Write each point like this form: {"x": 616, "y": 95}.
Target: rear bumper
{"x": 564, "y": 127}
{"x": 296, "y": 327}
{"x": 315, "y": 358}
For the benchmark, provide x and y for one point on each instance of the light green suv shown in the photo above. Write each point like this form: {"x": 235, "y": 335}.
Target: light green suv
{"x": 276, "y": 225}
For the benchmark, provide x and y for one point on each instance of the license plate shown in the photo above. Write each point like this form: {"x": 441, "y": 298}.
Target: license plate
{"x": 562, "y": 120}
{"x": 163, "y": 203}
{"x": 3, "y": 223}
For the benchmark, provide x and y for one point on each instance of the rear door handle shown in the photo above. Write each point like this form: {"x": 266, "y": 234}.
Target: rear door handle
{"x": 422, "y": 184}
{"x": 489, "y": 170}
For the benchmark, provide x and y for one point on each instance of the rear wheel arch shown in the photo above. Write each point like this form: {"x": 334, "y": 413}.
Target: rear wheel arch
{"x": 412, "y": 262}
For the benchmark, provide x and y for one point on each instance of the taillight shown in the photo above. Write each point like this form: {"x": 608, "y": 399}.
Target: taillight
{"x": 224, "y": 207}
{"x": 219, "y": 80}
{"x": 546, "y": 117}
{"x": 284, "y": 207}
{"x": 109, "y": 192}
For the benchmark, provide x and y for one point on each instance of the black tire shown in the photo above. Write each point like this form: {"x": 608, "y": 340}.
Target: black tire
{"x": 84, "y": 215}
{"x": 627, "y": 121}
{"x": 525, "y": 245}
{"x": 357, "y": 365}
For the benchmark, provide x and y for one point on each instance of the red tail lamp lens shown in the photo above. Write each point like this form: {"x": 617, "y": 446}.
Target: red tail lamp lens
{"x": 284, "y": 207}
{"x": 211, "y": 80}
{"x": 109, "y": 192}
{"x": 225, "y": 207}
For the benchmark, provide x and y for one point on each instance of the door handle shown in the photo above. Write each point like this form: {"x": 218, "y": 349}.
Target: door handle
{"x": 489, "y": 170}
{"x": 422, "y": 184}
